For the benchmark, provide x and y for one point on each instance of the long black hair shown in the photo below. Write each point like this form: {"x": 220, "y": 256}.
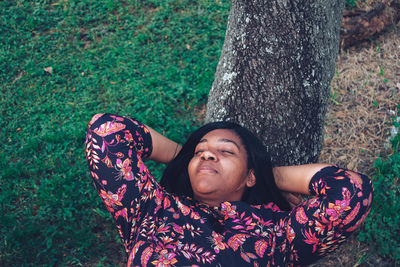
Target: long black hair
{"x": 176, "y": 179}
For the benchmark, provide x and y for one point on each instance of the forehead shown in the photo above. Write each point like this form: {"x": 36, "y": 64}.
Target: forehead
{"x": 221, "y": 135}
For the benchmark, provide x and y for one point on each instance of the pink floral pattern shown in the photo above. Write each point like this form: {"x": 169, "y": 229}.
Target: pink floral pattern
{"x": 161, "y": 229}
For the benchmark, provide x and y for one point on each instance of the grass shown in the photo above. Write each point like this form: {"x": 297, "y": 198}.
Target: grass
{"x": 63, "y": 61}
{"x": 382, "y": 227}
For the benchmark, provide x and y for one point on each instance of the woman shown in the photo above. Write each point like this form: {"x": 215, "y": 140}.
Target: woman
{"x": 221, "y": 205}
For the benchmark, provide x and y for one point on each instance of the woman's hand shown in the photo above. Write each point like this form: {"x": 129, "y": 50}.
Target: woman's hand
{"x": 294, "y": 199}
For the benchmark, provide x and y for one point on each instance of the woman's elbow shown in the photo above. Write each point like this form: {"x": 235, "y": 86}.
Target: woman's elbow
{"x": 361, "y": 201}
{"x": 95, "y": 118}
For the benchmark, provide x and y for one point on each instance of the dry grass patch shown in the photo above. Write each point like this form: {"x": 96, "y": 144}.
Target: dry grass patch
{"x": 365, "y": 91}
{"x": 364, "y": 94}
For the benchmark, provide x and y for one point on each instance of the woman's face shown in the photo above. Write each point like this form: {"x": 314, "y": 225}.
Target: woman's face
{"x": 218, "y": 170}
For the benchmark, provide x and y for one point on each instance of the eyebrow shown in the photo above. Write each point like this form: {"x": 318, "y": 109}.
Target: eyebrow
{"x": 225, "y": 140}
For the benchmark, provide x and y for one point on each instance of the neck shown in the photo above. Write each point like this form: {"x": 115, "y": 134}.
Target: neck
{"x": 208, "y": 202}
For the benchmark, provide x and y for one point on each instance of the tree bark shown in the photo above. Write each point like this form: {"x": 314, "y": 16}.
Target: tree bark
{"x": 274, "y": 73}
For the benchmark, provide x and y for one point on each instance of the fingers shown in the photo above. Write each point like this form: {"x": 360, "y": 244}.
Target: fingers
{"x": 292, "y": 198}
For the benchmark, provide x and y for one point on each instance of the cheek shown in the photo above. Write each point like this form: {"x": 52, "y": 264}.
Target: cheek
{"x": 191, "y": 167}
{"x": 239, "y": 171}
{"x": 236, "y": 166}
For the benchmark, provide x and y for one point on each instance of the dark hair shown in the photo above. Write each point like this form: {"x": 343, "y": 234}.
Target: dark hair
{"x": 176, "y": 180}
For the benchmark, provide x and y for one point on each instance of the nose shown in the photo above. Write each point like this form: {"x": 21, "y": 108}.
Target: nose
{"x": 208, "y": 155}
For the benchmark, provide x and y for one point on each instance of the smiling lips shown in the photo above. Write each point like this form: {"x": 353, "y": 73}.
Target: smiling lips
{"x": 206, "y": 169}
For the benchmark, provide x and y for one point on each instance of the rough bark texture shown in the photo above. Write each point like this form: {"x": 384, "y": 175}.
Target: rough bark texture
{"x": 274, "y": 73}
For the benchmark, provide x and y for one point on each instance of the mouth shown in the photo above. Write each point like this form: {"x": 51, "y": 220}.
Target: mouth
{"x": 206, "y": 169}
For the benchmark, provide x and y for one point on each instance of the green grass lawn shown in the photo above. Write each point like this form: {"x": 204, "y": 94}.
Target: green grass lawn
{"x": 63, "y": 61}
{"x": 60, "y": 63}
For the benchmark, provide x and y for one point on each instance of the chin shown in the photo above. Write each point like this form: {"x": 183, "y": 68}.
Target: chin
{"x": 204, "y": 189}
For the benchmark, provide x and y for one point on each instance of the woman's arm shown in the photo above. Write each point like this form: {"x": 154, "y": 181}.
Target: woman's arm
{"x": 115, "y": 149}
{"x": 296, "y": 179}
{"x": 164, "y": 149}
{"x": 316, "y": 227}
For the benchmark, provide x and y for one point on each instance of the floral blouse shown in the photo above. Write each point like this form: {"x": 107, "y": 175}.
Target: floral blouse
{"x": 161, "y": 229}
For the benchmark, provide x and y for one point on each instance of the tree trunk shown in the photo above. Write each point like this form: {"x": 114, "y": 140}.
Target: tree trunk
{"x": 274, "y": 73}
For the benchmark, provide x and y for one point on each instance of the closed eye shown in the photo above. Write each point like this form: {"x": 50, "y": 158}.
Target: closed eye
{"x": 227, "y": 152}
{"x": 198, "y": 152}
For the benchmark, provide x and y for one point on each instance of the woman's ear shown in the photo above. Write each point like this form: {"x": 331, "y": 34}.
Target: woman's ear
{"x": 251, "y": 178}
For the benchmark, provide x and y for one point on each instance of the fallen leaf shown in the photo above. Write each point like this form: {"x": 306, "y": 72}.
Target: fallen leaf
{"x": 49, "y": 70}
{"x": 18, "y": 77}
